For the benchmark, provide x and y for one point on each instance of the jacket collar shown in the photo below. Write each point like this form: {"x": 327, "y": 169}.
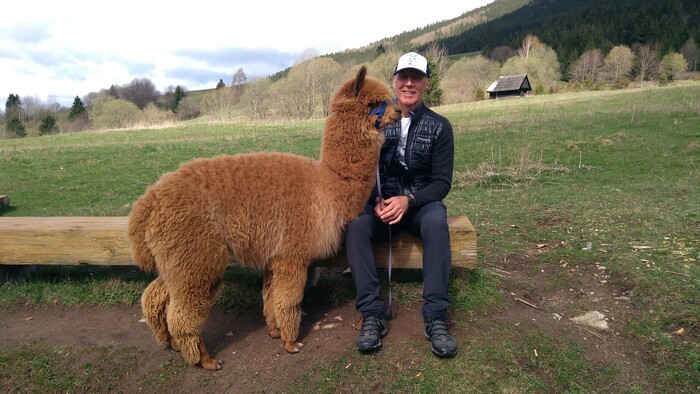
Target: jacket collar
{"x": 418, "y": 112}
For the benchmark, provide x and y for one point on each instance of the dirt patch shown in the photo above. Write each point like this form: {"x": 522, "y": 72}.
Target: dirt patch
{"x": 239, "y": 338}
{"x": 253, "y": 362}
{"x": 547, "y": 298}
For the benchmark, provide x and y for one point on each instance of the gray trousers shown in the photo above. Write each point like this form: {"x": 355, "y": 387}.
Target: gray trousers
{"x": 429, "y": 222}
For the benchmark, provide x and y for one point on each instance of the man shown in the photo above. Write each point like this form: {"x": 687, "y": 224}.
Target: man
{"x": 415, "y": 171}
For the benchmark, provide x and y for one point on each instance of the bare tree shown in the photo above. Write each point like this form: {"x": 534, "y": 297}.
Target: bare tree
{"x": 301, "y": 87}
{"x": 383, "y": 66}
{"x": 328, "y": 77}
{"x": 219, "y": 103}
{"x": 530, "y": 43}
{"x": 468, "y": 76}
{"x": 52, "y": 104}
{"x": 541, "y": 64}
{"x": 647, "y": 63}
{"x": 292, "y": 95}
{"x": 502, "y": 53}
{"x": 140, "y": 91}
{"x": 306, "y": 55}
{"x": 672, "y": 65}
{"x": 690, "y": 53}
{"x": 154, "y": 116}
{"x": 282, "y": 97}
{"x": 438, "y": 54}
{"x": 31, "y": 106}
{"x": 110, "y": 113}
{"x": 188, "y": 108}
{"x": 618, "y": 63}
{"x": 238, "y": 84}
{"x": 256, "y": 99}
{"x": 586, "y": 68}
{"x": 239, "y": 78}
{"x": 114, "y": 91}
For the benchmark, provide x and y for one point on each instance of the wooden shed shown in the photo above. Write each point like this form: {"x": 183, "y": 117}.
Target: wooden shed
{"x": 509, "y": 86}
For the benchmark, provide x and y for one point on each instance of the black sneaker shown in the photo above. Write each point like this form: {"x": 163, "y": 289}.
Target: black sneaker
{"x": 373, "y": 330}
{"x": 441, "y": 342}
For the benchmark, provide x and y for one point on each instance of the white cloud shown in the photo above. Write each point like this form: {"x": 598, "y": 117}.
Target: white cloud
{"x": 69, "y": 48}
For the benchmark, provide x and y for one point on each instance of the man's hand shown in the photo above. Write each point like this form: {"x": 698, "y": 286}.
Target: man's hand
{"x": 392, "y": 209}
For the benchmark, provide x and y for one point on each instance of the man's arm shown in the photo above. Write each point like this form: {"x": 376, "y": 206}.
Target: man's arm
{"x": 442, "y": 168}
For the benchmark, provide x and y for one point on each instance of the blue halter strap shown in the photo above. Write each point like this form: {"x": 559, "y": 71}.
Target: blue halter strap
{"x": 379, "y": 111}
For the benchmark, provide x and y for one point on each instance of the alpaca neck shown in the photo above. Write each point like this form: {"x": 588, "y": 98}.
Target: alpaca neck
{"x": 349, "y": 170}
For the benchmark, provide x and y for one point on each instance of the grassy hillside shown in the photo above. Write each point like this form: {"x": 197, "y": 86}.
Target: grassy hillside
{"x": 556, "y": 185}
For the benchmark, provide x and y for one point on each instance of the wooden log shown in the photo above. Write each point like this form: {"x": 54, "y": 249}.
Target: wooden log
{"x": 102, "y": 240}
{"x": 4, "y": 201}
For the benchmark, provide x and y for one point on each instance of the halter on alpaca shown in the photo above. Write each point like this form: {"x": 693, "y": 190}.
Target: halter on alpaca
{"x": 379, "y": 111}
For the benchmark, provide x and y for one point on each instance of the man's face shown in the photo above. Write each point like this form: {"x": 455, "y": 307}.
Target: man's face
{"x": 409, "y": 86}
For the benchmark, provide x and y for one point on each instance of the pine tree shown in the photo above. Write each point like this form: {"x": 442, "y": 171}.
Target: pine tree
{"x": 48, "y": 125}
{"x": 434, "y": 94}
{"x": 14, "y": 125}
{"x": 13, "y": 106}
{"x": 77, "y": 109}
{"x": 12, "y": 100}
{"x": 178, "y": 95}
{"x": 13, "y": 113}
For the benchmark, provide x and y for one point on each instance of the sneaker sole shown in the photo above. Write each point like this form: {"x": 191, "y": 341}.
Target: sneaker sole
{"x": 441, "y": 355}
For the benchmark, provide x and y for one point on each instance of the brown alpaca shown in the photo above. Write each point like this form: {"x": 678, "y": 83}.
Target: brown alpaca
{"x": 270, "y": 211}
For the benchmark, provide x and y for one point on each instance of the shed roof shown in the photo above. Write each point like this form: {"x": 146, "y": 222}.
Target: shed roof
{"x": 510, "y": 82}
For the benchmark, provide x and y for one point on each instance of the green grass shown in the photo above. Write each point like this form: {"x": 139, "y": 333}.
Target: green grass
{"x": 618, "y": 169}
{"x": 32, "y": 369}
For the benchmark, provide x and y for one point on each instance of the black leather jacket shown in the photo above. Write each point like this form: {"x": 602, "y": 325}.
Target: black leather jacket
{"x": 429, "y": 158}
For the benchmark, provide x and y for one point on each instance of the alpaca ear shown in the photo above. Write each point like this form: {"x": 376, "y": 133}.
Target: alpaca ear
{"x": 360, "y": 80}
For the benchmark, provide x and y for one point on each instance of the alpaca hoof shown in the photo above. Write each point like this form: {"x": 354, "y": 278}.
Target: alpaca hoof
{"x": 293, "y": 347}
{"x": 212, "y": 364}
{"x": 275, "y": 333}
{"x": 174, "y": 345}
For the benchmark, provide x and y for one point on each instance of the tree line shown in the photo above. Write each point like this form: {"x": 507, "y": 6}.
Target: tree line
{"x": 305, "y": 89}
{"x": 572, "y": 27}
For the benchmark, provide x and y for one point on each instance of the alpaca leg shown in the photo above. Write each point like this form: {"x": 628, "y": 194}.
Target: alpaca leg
{"x": 187, "y": 314}
{"x": 268, "y": 305}
{"x": 193, "y": 287}
{"x": 288, "y": 291}
{"x": 154, "y": 302}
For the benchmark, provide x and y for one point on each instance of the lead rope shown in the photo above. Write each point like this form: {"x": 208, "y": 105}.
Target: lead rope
{"x": 388, "y": 307}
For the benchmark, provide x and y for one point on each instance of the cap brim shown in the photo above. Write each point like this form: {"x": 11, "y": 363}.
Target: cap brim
{"x": 412, "y": 69}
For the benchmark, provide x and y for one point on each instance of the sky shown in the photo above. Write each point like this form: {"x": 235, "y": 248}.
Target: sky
{"x": 57, "y": 50}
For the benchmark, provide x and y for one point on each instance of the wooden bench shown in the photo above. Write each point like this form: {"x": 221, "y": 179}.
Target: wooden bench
{"x": 102, "y": 241}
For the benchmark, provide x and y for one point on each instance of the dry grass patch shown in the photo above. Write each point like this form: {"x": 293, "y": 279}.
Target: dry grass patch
{"x": 522, "y": 168}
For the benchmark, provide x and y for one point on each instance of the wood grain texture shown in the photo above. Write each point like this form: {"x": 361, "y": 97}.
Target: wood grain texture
{"x": 102, "y": 241}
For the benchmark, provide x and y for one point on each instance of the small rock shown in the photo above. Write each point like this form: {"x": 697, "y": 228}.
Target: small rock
{"x": 592, "y": 319}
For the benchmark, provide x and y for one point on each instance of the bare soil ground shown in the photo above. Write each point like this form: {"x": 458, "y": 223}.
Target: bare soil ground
{"x": 253, "y": 362}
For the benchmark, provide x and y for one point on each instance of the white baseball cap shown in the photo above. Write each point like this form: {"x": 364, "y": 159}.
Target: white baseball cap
{"x": 415, "y": 61}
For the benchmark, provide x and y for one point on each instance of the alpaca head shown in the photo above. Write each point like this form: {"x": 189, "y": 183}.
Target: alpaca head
{"x": 367, "y": 96}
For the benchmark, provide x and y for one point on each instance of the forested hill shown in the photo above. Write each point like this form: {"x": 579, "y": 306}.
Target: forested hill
{"x": 571, "y": 27}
